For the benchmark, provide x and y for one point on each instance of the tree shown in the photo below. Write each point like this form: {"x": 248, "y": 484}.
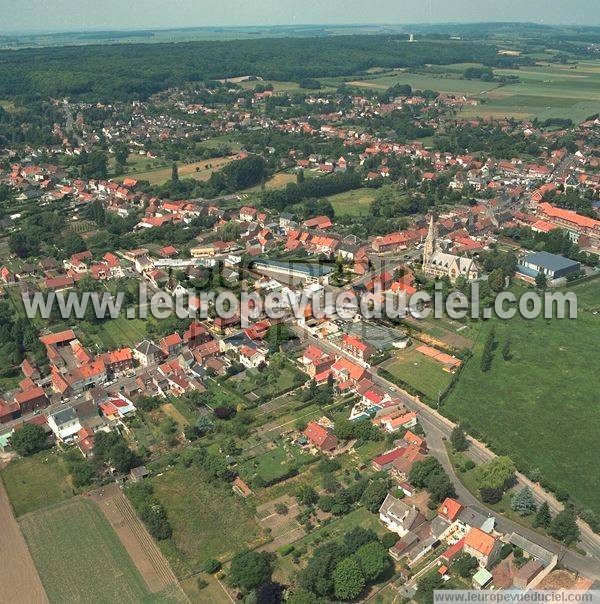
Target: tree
{"x": 523, "y": 502}
{"x": 564, "y": 527}
{"x": 496, "y": 474}
{"x": 250, "y": 570}
{"x": 487, "y": 355}
{"x": 307, "y": 495}
{"x": 348, "y": 579}
{"x": 212, "y": 565}
{"x": 440, "y": 487}
{"x": 543, "y": 516}
{"x": 269, "y": 593}
{"x": 301, "y": 596}
{"x": 541, "y": 281}
{"x": 458, "y": 439}
{"x": 122, "y": 457}
{"x": 374, "y": 494}
{"x": 466, "y": 565}
{"x": 426, "y": 586}
{"x": 373, "y": 559}
{"x": 28, "y": 440}
{"x": 358, "y": 537}
{"x": 506, "y": 355}
{"x": 489, "y": 495}
{"x": 174, "y": 172}
{"x": 496, "y": 280}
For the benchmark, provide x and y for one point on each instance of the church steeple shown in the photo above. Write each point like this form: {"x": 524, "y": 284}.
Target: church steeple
{"x": 430, "y": 242}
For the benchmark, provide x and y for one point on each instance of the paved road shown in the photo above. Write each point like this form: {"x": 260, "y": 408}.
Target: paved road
{"x": 437, "y": 428}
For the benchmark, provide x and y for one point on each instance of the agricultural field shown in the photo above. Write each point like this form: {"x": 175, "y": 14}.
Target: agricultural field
{"x": 449, "y": 83}
{"x": 208, "y": 519}
{"x": 422, "y": 373}
{"x": 544, "y": 91}
{"x": 36, "y": 482}
{"x": 353, "y": 203}
{"x": 540, "y": 407}
{"x": 277, "y": 181}
{"x": 77, "y": 552}
{"x": 200, "y": 170}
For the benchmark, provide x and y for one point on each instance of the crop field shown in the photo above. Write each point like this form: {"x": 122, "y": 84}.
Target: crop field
{"x": 449, "y": 83}
{"x": 208, "y": 519}
{"x": 544, "y": 90}
{"x": 77, "y": 552}
{"x": 541, "y": 406}
{"x": 421, "y": 372}
{"x": 200, "y": 170}
{"x": 352, "y": 203}
{"x": 36, "y": 482}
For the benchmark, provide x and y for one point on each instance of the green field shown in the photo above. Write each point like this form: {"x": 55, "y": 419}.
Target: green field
{"x": 36, "y": 482}
{"x": 544, "y": 90}
{"x": 353, "y": 203}
{"x": 208, "y": 519}
{"x": 421, "y": 372}
{"x": 541, "y": 407}
{"x": 114, "y": 333}
{"x": 200, "y": 170}
{"x": 275, "y": 464}
{"x": 449, "y": 83}
{"x": 76, "y": 552}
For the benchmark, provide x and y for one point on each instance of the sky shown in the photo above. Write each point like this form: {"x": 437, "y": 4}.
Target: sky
{"x": 65, "y": 15}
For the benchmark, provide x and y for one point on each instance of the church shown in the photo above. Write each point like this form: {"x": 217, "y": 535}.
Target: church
{"x": 438, "y": 263}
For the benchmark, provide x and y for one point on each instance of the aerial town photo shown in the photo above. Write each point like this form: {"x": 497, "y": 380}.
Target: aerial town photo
{"x": 299, "y": 302}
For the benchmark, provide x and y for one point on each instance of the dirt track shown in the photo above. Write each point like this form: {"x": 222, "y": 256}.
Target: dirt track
{"x": 18, "y": 576}
{"x": 148, "y": 559}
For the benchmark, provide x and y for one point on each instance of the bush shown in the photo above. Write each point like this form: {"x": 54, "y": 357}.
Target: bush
{"x": 212, "y": 565}
{"x": 489, "y": 495}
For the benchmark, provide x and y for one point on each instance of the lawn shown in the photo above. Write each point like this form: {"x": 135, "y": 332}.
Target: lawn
{"x": 114, "y": 333}
{"x": 275, "y": 464}
{"x": 353, "y": 203}
{"x": 36, "y": 482}
{"x": 421, "y": 372}
{"x": 541, "y": 406}
{"x": 276, "y": 385}
{"x": 200, "y": 170}
{"x": 208, "y": 519}
{"x": 77, "y": 552}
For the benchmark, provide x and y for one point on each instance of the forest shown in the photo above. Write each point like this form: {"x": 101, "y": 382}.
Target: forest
{"x": 136, "y": 71}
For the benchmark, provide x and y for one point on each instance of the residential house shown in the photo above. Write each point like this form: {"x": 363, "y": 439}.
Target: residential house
{"x": 320, "y": 437}
{"x": 399, "y": 517}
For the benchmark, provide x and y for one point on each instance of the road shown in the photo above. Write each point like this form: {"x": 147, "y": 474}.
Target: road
{"x": 437, "y": 429}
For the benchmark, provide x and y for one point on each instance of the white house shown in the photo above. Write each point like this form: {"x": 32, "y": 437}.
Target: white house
{"x": 64, "y": 423}
{"x": 399, "y": 517}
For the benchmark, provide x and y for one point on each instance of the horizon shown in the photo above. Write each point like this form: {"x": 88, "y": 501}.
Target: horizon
{"x": 66, "y": 16}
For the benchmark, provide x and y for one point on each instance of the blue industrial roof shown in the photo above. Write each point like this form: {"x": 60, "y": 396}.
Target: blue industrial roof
{"x": 549, "y": 261}
{"x": 313, "y": 270}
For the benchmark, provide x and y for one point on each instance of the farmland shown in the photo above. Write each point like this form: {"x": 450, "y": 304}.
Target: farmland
{"x": 208, "y": 520}
{"x": 544, "y": 90}
{"x": 546, "y": 393}
{"x": 36, "y": 482}
{"x": 200, "y": 170}
{"x": 77, "y": 552}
